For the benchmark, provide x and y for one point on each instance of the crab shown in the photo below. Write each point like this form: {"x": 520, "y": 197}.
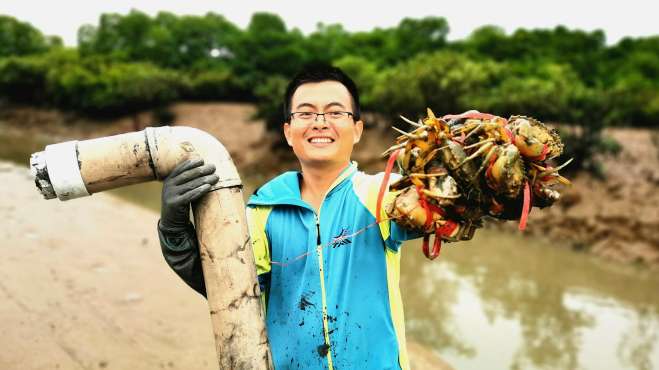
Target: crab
{"x": 412, "y": 210}
{"x": 459, "y": 168}
{"x": 505, "y": 170}
{"x": 435, "y": 183}
{"x": 534, "y": 140}
{"x": 543, "y": 178}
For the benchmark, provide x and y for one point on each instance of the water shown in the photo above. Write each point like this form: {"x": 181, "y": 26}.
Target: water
{"x": 501, "y": 301}
{"x": 504, "y": 301}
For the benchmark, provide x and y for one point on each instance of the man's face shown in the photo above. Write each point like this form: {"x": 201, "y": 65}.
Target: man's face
{"x": 322, "y": 142}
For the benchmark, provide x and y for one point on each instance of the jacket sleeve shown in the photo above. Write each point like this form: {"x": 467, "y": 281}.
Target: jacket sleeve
{"x": 367, "y": 189}
{"x": 181, "y": 251}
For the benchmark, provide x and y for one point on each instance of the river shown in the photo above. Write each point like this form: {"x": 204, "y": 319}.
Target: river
{"x": 502, "y": 300}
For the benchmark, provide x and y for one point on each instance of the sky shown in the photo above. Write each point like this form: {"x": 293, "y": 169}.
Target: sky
{"x": 617, "y": 19}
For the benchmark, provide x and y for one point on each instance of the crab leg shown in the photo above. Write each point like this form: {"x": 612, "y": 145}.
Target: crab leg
{"x": 554, "y": 179}
{"x": 487, "y": 161}
{"x": 437, "y": 195}
{"x": 548, "y": 171}
{"x": 393, "y": 148}
{"x": 426, "y": 175}
{"x": 474, "y": 130}
{"x": 422, "y": 162}
{"x": 411, "y": 122}
{"x": 422, "y": 135}
{"x": 482, "y": 149}
{"x": 483, "y": 142}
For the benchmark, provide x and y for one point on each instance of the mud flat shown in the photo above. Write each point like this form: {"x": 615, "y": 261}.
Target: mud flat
{"x": 616, "y": 218}
{"x": 84, "y": 286}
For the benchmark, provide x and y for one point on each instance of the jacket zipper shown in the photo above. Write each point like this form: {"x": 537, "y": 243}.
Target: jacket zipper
{"x": 319, "y": 254}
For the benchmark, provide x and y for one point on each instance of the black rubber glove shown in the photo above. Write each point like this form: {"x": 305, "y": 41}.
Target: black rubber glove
{"x": 187, "y": 182}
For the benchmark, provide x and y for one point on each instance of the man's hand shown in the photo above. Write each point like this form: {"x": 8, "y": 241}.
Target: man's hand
{"x": 187, "y": 182}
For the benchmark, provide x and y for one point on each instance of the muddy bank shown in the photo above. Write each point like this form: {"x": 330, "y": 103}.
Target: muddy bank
{"x": 84, "y": 286}
{"x": 615, "y": 218}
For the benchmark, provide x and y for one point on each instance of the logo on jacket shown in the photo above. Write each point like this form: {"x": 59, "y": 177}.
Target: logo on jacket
{"x": 341, "y": 239}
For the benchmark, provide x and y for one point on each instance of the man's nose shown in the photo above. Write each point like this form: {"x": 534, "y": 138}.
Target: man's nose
{"x": 319, "y": 122}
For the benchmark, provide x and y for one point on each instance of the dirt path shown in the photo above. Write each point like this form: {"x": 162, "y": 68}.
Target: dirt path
{"x": 83, "y": 285}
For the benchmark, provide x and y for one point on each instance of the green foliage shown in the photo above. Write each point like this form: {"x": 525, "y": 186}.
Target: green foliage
{"x": 271, "y": 107}
{"x": 166, "y": 40}
{"x": 442, "y": 81}
{"x": 328, "y": 43}
{"x": 23, "y": 79}
{"x": 19, "y": 38}
{"x": 136, "y": 61}
{"x": 365, "y": 75}
{"x": 413, "y": 36}
{"x": 91, "y": 85}
{"x": 581, "y": 50}
{"x": 584, "y": 140}
{"x": 115, "y": 88}
{"x": 215, "y": 84}
{"x": 266, "y": 49}
{"x": 544, "y": 90}
{"x": 633, "y": 83}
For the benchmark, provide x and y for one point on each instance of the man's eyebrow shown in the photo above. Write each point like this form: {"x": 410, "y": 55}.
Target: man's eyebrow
{"x": 305, "y": 105}
{"x": 334, "y": 104}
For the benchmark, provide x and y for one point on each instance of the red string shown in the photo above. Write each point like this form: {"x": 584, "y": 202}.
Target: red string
{"x": 526, "y": 207}
{"x": 488, "y": 171}
{"x": 425, "y": 246}
{"x": 385, "y": 183}
{"x": 440, "y": 232}
{"x": 472, "y": 115}
{"x": 436, "y": 248}
{"x": 510, "y": 134}
{"x": 543, "y": 155}
{"x": 425, "y": 205}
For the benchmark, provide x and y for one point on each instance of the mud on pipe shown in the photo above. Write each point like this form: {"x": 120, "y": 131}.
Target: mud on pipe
{"x": 76, "y": 169}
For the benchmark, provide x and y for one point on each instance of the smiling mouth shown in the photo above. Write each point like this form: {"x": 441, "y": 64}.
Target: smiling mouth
{"x": 320, "y": 140}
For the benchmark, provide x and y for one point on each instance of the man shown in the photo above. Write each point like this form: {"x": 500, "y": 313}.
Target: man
{"x": 338, "y": 306}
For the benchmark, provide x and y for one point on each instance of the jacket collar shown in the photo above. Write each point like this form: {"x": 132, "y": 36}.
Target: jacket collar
{"x": 285, "y": 189}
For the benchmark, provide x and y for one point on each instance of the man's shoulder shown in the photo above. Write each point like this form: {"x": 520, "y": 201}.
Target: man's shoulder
{"x": 281, "y": 189}
{"x": 363, "y": 180}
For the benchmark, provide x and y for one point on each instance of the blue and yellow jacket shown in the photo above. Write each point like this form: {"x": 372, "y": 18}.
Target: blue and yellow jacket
{"x": 331, "y": 278}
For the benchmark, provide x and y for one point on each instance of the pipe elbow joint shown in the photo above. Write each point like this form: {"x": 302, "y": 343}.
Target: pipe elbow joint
{"x": 171, "y": 145}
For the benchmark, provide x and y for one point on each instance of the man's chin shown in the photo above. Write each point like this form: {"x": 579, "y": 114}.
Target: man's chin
{"x": 321, "y": 161}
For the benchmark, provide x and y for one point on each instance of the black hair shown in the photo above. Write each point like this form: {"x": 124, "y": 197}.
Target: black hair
{"x": 320, "y": 73}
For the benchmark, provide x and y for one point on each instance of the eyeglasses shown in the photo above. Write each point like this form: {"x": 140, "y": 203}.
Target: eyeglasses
{"x": 308, "y": 117}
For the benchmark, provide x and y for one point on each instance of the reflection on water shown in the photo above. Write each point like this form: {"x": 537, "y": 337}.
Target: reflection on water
{"x": 501, "y": 301}
{"x": 507, "y": 302}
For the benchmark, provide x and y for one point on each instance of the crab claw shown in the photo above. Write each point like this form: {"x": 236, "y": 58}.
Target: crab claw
{"x": 430, "y": 114}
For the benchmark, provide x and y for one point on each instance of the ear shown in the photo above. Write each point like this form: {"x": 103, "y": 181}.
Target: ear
{"x": 287, "y": 133}
{"x": 358, "y": 129}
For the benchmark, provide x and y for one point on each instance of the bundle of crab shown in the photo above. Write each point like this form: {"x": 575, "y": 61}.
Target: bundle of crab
{"x": 458, "y": 169}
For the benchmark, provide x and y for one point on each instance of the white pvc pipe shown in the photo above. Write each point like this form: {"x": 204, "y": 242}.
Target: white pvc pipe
{"x": 79, "y": 168}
